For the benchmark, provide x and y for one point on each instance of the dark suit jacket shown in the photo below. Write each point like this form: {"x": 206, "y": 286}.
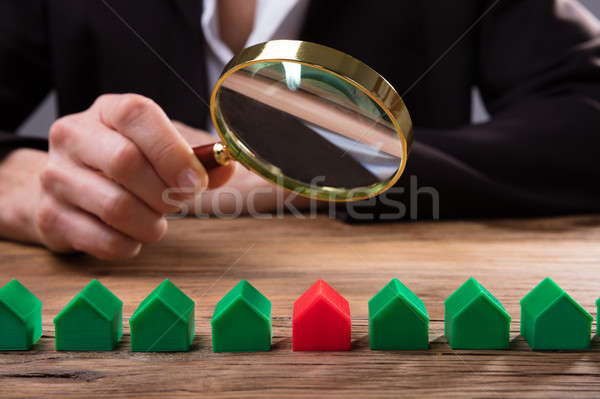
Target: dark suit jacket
{"x": 536, "y": 63}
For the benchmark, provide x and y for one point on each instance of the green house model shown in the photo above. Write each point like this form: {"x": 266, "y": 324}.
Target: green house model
{"x": 242, "y": 321}
{"x": 398, "y": 319}
{"x": 551, "y": 319}
{"x": 475, "y": 319}
{"x": 20, "y": 317}
{"x": 597, "y": 314}
{"x": 164, "y": 321}
{"x": 92, "y": 321}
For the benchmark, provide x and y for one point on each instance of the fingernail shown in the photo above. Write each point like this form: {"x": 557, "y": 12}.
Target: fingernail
{"x": 190, "y": 182}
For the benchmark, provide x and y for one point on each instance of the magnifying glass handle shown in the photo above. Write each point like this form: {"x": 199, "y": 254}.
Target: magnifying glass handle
{"x": 212, "y": 156}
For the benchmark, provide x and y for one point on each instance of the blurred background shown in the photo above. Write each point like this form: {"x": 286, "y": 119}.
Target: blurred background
{"x": 39, "y": 122}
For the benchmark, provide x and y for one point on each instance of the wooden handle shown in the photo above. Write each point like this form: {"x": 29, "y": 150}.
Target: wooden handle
{"x": 206, "y": 156}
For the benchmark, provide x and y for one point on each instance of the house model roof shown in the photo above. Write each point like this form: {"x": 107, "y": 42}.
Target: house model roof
{"x": 395, "y": 290}
{"x": 246, "y": 292}
{"x": 320, "y": 290}
{"x": 172, "y": 297}
{"x": 544, "y": 295}
{"x": 99, "y": 298}
{"x": 19, "y": 300}
{"x": 467, "y": 294}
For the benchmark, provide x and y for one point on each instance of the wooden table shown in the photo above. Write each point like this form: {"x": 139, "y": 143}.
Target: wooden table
{"x": 282, "y": 257}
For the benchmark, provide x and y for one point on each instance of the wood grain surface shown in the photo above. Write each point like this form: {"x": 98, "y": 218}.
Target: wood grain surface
{"x": 282, "y": 257}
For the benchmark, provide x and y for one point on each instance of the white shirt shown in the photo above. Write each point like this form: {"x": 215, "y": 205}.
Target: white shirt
{"x": 273, "y": 19}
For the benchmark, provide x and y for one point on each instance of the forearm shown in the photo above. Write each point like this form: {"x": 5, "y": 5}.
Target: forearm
{"x": 546, "y": 147}
{"x": 538, "y": 159}
{"x": 19, "y": 191}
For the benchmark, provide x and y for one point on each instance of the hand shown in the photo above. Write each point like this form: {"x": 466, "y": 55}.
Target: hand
{"x": 101, "y": 190}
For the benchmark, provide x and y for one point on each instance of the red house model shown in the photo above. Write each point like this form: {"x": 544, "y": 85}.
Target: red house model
{"x": 321, "y": 320}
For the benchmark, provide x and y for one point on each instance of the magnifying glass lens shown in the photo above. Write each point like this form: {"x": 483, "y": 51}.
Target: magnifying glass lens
{"x": 311, "y": 119}
{"x": 310, "y": 125}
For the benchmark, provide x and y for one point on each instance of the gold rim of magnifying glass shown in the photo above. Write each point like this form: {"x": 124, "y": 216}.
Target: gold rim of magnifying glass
{"x": 339, "y": 64}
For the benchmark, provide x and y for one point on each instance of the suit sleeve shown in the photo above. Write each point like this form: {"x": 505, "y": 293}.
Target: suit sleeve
{"x": 539, "y": 75}
{"x": 25, "y": 67}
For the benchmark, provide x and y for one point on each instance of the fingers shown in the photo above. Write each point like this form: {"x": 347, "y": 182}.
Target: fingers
{"x": 108, "y": 201}
{"x": 145, "y": 124}
{"x": 109, "y": 176}
{"x": 64, "y": 228}
{"x": 118, "y": 158}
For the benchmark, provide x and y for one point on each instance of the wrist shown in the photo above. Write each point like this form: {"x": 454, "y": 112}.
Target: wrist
{"x": 20, "y": 193}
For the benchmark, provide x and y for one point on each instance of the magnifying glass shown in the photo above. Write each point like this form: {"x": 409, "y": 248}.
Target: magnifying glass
{"x": 311, "y": 119}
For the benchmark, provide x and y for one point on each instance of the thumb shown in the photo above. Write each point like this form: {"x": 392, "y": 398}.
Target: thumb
{"x": 197, "y": 137}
